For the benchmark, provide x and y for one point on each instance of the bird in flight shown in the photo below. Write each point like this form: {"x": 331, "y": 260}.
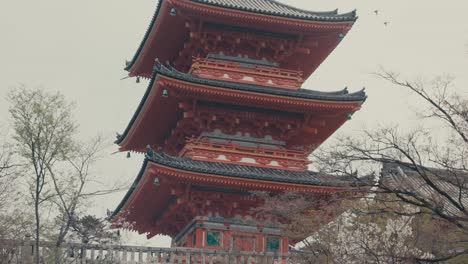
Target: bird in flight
{"x": 376, "y": 12}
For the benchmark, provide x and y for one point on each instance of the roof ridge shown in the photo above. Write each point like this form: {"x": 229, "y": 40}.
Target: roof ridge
{"x": 276, "y": 8}
{"x": 331, "y": 12}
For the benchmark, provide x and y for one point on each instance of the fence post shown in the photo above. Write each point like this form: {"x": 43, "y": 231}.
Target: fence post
{"x": 83, "y": 254}
{"x": 27, "y": 252}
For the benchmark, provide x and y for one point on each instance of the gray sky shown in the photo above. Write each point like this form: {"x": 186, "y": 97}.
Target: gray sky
{"x": 79, "y": 48}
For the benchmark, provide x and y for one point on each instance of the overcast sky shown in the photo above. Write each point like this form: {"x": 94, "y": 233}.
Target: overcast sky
{"x": 79, "y": 48}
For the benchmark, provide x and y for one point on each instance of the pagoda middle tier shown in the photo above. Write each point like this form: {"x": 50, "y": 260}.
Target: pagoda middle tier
{"x": 182, "y": 112}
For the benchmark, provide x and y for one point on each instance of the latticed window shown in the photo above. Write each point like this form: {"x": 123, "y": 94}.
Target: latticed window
{"x": 272, "y": 244}
{"x": 213, "y": 239}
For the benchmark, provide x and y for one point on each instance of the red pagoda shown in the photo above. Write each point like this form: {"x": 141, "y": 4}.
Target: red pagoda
{"x": 224, "y": 115}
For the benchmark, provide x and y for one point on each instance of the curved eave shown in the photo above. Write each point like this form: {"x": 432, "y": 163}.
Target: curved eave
{"x": 146, "y": 36}
{"x": 325, "y": 98}
{"x": 331, "y": 17}
{"x": 131, "y": 190}
{"x": 230, "y": 176}
{"x": 342, "y": 96}
{"x": 120, "y": 138}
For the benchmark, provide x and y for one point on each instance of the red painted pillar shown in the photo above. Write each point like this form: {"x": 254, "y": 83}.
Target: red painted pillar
{"x": 227, "y": 240}
{"x": 285, "y": 245}
{"x": 200, "y": 239}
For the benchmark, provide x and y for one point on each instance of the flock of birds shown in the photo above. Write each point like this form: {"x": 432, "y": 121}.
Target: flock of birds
{"x": 377, "y": 12}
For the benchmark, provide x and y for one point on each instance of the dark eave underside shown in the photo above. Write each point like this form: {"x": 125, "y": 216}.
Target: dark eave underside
{"x": 337, "y": 96}
{"x": 308, "y": 178}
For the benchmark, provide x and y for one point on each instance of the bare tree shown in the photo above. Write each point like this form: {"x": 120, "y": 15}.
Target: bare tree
{"x": 58, "y": 168}
{"x": 415, "y": 212}
{"x": 6, "y": 170}
{"x": 44, "y": 129}
{"x": 421, "y": 167}
{"x": 14, "y": 222}
{"x": 75, "y": 188}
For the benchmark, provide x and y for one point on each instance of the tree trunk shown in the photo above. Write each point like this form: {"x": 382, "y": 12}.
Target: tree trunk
{"x": 36, "y": 211}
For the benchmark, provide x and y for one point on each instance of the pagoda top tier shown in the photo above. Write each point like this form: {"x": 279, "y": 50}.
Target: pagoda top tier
{"x": 288, "y": 37}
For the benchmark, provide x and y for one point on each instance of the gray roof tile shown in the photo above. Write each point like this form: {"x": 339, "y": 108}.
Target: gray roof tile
{"x": 341, "y": 96}
{"x": 253, "y": 172}
{"x": 243, "y": 172}
{"x": 271, "y": 7}
{"x": 405, "y": 177}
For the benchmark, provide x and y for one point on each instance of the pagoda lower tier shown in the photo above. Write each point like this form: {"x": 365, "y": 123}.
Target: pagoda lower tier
{"x": 171, "y": 193}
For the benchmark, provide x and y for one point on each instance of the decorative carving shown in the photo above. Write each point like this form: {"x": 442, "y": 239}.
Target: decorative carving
{"x": 200, "y": 119}
{"x": 207, "y": 38}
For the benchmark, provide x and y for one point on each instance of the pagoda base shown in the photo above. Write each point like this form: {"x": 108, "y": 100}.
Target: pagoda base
{"x": 233, "y": 235}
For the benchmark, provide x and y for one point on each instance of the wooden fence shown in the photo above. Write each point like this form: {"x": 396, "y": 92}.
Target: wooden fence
{"x": 16, "y": 252}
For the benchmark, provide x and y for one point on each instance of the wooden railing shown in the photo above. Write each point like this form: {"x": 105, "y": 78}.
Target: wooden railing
{"x": 262, "y": 75}
{"x": 16, "y": 252}
{"x": 207, "y": 150}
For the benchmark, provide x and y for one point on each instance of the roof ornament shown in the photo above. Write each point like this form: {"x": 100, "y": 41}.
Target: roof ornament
{"x": 157, "y": 64}
{"x": 156, "y": 181}
{"x": 173, "y": 12}
{"x": 340, "y": 36}
{"x": 149, "y": 151}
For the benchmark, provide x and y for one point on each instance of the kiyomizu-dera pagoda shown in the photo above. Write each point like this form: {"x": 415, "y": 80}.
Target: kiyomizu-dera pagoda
{"x": 224, "y": 114}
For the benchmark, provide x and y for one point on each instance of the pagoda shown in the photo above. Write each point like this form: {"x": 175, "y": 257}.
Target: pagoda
{"x": 224, "y": 115}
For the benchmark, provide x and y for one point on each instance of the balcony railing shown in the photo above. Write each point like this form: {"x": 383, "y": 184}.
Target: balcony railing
{"x": 246, "y": 73}
{"x": 206, "y": 150}
{"x": 16, "y": 252}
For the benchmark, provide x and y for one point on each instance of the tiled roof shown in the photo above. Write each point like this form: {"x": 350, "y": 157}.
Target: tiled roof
{"x": 405, "y": 177}
{"x": 243, "y": 172}
{"x": 274, "y": 8}
{"x": 342, "y": 95}
{"x": 252, "y": 172}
